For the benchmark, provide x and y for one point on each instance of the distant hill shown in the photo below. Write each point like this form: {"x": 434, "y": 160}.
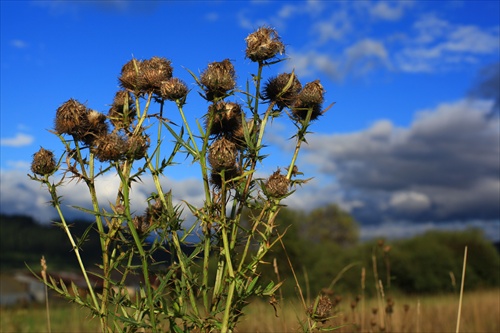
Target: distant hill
{"x": 24, "y": 241}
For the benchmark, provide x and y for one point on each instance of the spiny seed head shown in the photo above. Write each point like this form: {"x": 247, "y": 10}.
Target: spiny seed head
{"x": 263, "y": 44}
{"x": 323, "y": 309}
{"x": 274, "y": 90}
{"x": 132, "y": 77}
{"x": 222, "y": 154}
{"x": 155, "y": 71}
{"x": 173, "y": 89}
{"x": 141, "y": 224}
{"x": 43, "y": 162}
{"x": 118, "y": 114}
{"x": 70, "y": 117}
{"x": 110, "y": 147}
{"x": 94, "y": 127}
{"x": 311, "y": 97}
{"x": 277, "y": 185}
{"x": 225, "y": 118}
{"x": 138, "y": 146}
{"x": 218, "y": 78}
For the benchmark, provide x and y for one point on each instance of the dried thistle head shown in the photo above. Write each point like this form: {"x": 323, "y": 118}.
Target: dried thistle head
{"x": 321, "y": 311}
{"x": 311, "y": 97}
{"x": 122, "y": 111}
{"x": 154, "y": 72}
{"x": 225, "y": 118}
{"x": 141, "y": 224}
{"x": 277, "y": 185}
{"x": 137, "y": 146}
{"x": 71, "y": 116}
{"x": 94, "y": 127}
{"x": 274, "y": 90}
{"x": 173, "y": 89}
{"x": 218, "y": 78}
{"x": 110, "y": 147}
{"x": 132, "y": 78}
{"x": 43, "y": 162}
{"x": 222, "y": 154}
{"x": 263, "y": 44}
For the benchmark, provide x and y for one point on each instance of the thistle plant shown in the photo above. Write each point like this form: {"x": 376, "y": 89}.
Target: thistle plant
{"x": 192, "y": 293}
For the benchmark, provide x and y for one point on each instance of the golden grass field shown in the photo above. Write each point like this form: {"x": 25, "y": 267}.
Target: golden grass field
{"x": 480, "y": 313}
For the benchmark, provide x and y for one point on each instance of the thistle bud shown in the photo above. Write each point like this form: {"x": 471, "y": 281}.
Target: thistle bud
{"x": 277, "y": 185}
{"x": 122, "y": 111}
{"x": 225, "y": 118}
{"x": 263, "y": 44}
{"x": 138, "y": 146}
{"x": 71, "y": 116}
{"x": 279, "y": 90}
{"x": 155, "y": 71}
{"x": 110, "y": 147}
{"x": 173, "y": 89}
{"x": 218, "y": 79}
{"x": 222, "y": 154}
{"x": 311, "y": 97}
{"x": 43, "y": 162}
{"x": 132, "y": 77}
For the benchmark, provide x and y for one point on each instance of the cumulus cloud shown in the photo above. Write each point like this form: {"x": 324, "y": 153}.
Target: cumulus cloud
{"x": 19, "y": 140}
{"x": 20, "y": 195}
{"x": 436, "y": 44}
{"x": 443, "y": 167}
{"x": 488, "y": 86}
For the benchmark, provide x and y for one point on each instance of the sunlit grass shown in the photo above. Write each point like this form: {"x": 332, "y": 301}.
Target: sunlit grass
{"x": 425, "y": 314}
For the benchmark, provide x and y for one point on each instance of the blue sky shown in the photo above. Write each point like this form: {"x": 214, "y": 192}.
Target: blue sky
{"x": 412, "y": 143}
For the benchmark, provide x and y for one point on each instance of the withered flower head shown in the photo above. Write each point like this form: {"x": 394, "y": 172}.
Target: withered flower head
{"x": 110, "y": 147}
{"x": 274, "y": 90}
{"x": 322, "y": 311}
{"x": 70, "y": 117}
{"x": 218, "y": 78}
{"x": 225, "y": 118}
{"x": 141, "y": 224}
{"x": 222, "y": 154}
{"x": 155, "y": 71}
{"x": 311, "y": 97}
{"x": 43, "y": 162}
{"x": 173, "y": 89}
{"x": 122, "y": 111}
{"x": 277, "y": 185}
{"x": 94, "y": 127}
{"x": 263, "y": 44}
{"x": 138, "y": 146}
{"x": 132, "y": 77}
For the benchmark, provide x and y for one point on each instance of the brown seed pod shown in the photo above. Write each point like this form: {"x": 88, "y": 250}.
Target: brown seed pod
{"x": 43, "y": 162}
{"x": 276, "y": 185}
{"x": 323, "y": 309}
{"x": 132, "y": 76}
{"x": 222, "y": 154}
{"x": 218, "y": 78}
{"x": 110, "y": 147}
{"x": 155, "y": 71}
{"x": 225, "y": 118}
{"x": 274, "y": 90}
{"x": 263, "y": 44}
{"x": 122, "y": 111}
{"x": 138, "y": 146}
{"x": 311, "y": 97}
{"x": 71, "y": 116}
{"x": 94, "y": 127}
{"x": 173, "y": 89}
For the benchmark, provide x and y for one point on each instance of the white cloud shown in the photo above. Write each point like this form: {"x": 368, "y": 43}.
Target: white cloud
{"x": 389, "y": 10}
{"x": 19, "y": 140}
{"x": 443, "y": 167}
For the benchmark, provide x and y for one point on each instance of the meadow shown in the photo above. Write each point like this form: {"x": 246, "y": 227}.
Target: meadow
{"x": 438, "y": 313}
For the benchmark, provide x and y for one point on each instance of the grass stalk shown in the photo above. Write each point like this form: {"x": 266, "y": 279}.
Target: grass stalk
{"x": 461, "y": 291}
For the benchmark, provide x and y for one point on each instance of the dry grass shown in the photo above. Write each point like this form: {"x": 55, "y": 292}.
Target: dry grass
{"x": 480, "y": 313}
